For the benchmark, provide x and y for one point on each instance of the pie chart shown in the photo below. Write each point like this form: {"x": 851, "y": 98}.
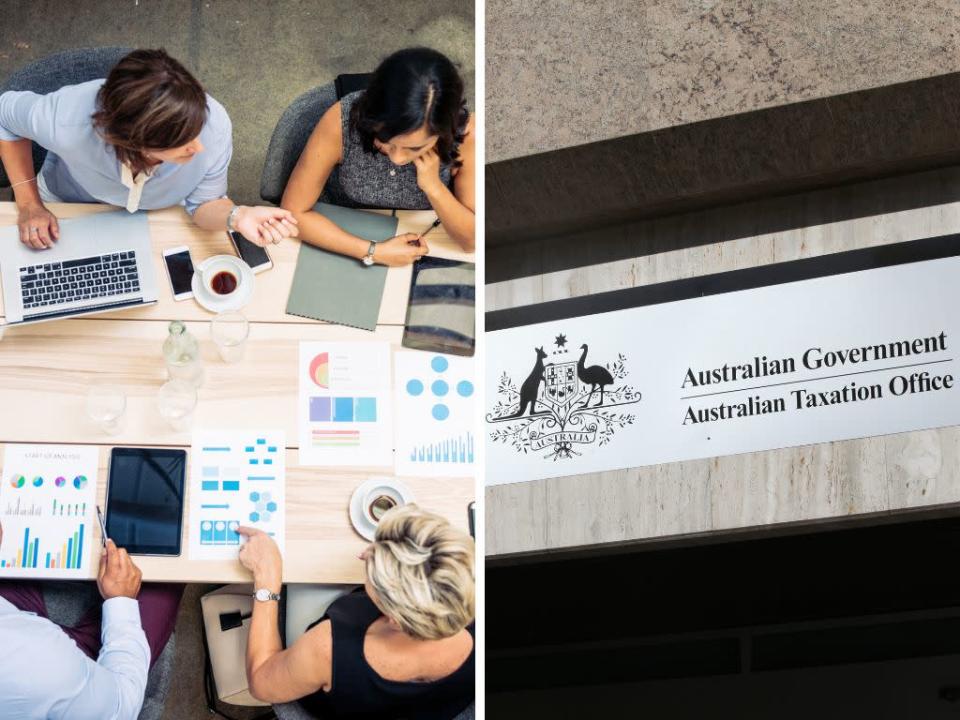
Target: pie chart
{"x": 80, "y": 482}
{"x": 320, "y": 370}
{"x": 18, "y": 481}
{"x": 60, "y": 481}
{"x": 38, "y": 481}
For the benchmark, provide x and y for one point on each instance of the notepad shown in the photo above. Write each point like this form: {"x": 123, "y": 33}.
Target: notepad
{"x": 339, "y": 289}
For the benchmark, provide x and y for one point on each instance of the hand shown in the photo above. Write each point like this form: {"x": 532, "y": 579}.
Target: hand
{"x": 400, "y": 250}
{"x": 38, "y": 226}
{"x": 428, "y": 171}
{"x": 261, "y": 556}
{"x": 118, "y": 576}
{"x": 265, "y": 225}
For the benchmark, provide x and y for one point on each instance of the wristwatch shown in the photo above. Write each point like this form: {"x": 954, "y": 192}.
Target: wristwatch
{"x": 264, "y": 595}
{"x": 231, "y": 218}
{"x": 368, "y": 258}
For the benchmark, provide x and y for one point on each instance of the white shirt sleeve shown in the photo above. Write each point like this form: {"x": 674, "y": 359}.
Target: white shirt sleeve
{"x": 25, "y": 114}
{"x": 117, "y": 682}
{"x": 214, "y": 183}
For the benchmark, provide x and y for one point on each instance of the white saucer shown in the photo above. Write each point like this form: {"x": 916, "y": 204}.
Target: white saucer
{"x": 220, "y": 303}
{"x": 358, "y": 517}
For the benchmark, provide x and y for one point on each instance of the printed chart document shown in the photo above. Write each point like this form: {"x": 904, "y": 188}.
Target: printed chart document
{"x": 434, "y": 414}
{"x": 47, "y": 507}
{"x": 344, "y": 404}
{"x": 237, "y": 477}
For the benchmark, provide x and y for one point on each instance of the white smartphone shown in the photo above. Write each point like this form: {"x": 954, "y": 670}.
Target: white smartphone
{"x": 251, "y": 253}
{"x": 179, "y": 271}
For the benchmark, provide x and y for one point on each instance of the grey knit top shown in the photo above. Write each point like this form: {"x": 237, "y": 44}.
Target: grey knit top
{"x": 365, "y": 179}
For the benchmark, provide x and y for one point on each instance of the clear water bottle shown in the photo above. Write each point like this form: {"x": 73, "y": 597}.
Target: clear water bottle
{"x": 182, "y": 353}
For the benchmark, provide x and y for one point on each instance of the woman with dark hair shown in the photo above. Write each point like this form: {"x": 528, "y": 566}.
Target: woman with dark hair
{"x": 406, "y": 142}
{"x": 147, "y": 137}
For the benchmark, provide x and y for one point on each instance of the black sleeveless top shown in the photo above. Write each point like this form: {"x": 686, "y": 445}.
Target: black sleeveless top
{"x": 357, "y": 691}
{"x": 363, "y": 179}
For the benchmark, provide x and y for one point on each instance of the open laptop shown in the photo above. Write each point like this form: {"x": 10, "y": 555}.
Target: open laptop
{"x": 102, "y": 262}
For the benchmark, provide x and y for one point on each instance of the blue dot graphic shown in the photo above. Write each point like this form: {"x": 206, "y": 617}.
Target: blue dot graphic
{"x": 254, "y": 517}
{"x": 465, "y": 388}
{"x": 272, "y": 506}
{"x": 254, "y": 496}
{"x": 440, "y": 388}
{"x": 414, "y": 387}
{"x": 439, "y": 363}
{"x": 441, "y": 411}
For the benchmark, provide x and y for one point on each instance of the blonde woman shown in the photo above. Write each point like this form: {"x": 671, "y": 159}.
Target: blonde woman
{"x": 403, "y": 643}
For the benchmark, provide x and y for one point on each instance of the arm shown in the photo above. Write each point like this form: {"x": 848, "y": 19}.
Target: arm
{"x": 321, "y": 154}
{"x": 210, "y": 207}
{"x": 455, "y": 209}
{"x": 274, "y": 674}
{"x": 24, "y": 116}
{"x": 116, "y": 685}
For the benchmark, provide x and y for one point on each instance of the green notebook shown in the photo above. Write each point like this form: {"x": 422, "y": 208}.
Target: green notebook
{"x": 338, "y": 289}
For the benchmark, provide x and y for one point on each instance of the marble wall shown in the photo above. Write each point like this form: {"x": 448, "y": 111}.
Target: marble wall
{"x": 567, "y": 73}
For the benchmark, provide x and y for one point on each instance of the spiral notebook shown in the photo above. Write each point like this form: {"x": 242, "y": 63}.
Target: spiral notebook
{"x": 339, "y": 289}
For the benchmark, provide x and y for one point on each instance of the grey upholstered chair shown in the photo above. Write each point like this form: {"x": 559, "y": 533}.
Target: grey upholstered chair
{"x": 289, "y": 138}
{"x": 53, "y": 72}
{"x": 67, "y": 602}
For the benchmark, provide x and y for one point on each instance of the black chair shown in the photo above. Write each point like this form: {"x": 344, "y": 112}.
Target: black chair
{"x": 53, "y": 72}
{"x": 292, "y": 132}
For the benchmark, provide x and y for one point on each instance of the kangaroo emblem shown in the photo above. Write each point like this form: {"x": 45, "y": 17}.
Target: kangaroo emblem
{"x": 528, "y": 391}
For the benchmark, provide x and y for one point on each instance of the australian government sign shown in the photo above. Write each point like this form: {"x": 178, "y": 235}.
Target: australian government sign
{"x": 830, "y": 358}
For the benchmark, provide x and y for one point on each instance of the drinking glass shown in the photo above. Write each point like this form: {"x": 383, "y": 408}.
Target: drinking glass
{"x": 106, "y": 404}
{"x": 176, "y": 401}
{"x": 229, "y": 331}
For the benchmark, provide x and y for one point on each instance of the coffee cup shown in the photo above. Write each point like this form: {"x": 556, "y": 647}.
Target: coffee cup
{"x": 220, "y": 276}
{"x": 378, "y": 501}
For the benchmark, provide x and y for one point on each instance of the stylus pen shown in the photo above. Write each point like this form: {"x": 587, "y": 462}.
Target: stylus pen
{"x": 103, "y": 528}
{"x": 432, "y": 226}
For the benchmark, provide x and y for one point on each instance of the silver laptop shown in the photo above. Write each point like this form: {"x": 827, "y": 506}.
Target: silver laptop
{"x": 101, "y": 263}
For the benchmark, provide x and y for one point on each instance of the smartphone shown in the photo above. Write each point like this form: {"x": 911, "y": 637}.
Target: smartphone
{"x": 251, "y": 253}
{"x": 180, "y": 271}
{"x": 471, "y": 518}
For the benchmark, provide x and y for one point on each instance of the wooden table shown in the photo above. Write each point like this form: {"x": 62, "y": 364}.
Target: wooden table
{"x": 46, "y": 369}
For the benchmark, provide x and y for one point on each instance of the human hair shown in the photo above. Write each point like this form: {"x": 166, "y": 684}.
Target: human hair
{"x": 412, "y": 88}
{"x": 421, "y": 569}
{"x": 149, "y": 101}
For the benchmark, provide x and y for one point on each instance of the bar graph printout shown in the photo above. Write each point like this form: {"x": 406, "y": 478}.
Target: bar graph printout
{"x": 47, "y": 507}
{"x": 434, "y": 405}
{"x": 237, "y": 477}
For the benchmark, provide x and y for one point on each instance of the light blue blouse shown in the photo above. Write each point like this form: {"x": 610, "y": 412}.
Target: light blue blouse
{"x": 81, "y": 167}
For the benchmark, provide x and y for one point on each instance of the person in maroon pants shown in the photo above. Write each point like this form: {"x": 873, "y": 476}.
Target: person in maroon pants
{"x": 158, "y": 604}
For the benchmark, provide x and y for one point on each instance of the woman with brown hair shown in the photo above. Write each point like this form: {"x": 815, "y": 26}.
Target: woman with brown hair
{"x": 147, "y": 137}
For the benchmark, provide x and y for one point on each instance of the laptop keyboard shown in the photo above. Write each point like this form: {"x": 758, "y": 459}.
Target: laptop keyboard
{"x": 86, "y": 278}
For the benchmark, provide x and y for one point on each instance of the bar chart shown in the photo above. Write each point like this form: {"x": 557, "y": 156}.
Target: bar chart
{"x": 38, "y": 552}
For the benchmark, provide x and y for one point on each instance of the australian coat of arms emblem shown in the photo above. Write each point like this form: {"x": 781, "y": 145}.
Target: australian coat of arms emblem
{"x": 563, "y": 403}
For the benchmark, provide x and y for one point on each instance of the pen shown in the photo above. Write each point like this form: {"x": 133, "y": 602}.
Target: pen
{"x": 103, "y": 528}
{"x": 432, "y": 226}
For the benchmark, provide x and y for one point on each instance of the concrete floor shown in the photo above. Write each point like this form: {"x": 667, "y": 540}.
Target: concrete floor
{"x": 255, "y": 58}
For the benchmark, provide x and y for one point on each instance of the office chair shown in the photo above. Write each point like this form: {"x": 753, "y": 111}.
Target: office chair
{"x": 292, "y": 132}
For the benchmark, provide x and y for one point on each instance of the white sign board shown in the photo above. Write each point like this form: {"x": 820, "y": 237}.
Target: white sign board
{"x": 846, "y": 356}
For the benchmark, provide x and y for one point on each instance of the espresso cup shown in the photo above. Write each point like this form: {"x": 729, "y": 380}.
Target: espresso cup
{"x": 221, "y": 276}
{"x": 378, "y": 501}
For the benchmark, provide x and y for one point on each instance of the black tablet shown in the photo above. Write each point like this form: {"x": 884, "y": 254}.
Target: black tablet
{"x": 145, "y": 500}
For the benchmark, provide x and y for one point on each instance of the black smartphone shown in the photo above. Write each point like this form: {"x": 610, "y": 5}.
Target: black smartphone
{"x": 180, "y": 271}
{"x": 145, "y": 494}
{"x": 251, "y": 253}
{"x": 471, "y": 518}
